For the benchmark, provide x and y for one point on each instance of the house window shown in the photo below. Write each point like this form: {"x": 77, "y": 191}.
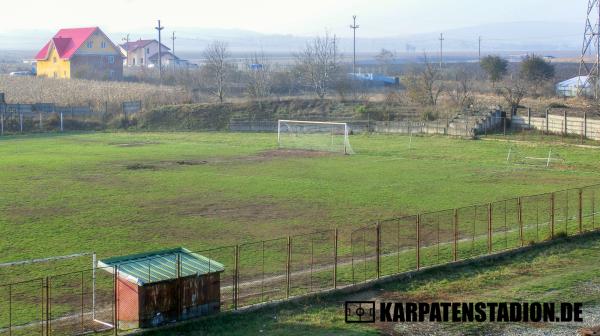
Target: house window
{"x": 142, "y": 60}
{"x": 90, "y": 44}
{"x": 111, "y": 59}
{"x": 147, "y": 50}
{"x": 53, "y": 59}
{"x": 103, "y": 45}
{"x": 134, "y": 61}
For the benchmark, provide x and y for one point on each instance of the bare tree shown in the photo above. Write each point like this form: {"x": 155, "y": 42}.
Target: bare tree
{"x": 316, "y": 65}
{"x": 217, "y": 66}
{"x": 424, "y": 87}
{"x": 258, "y": 74}
{"x": 461, "y": 90}
{"x": 385, "y": 59}
{"x": 513, "y": 93}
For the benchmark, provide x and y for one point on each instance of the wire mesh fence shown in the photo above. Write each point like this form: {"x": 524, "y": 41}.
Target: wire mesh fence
{"x": 166, "y": 289}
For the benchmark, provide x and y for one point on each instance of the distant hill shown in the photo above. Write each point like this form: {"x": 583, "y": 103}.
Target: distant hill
{"x": 522, "y": 36}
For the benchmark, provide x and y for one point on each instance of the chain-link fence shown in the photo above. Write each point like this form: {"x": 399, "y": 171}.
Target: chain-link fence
{"x": 399, "y": 245}
{"x": 47, "y": 117}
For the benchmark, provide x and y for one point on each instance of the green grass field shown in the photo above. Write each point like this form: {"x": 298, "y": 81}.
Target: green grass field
{"x": 120, "y": 193}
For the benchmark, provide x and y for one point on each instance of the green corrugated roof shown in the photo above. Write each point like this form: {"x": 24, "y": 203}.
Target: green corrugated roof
{"x": 159, "y": 266}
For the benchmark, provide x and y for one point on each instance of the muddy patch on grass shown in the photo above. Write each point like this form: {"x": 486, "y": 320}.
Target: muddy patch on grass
{"x": 134, "y": 143}
{"x": 141, "y": 166}
{"x": 257, "y": 158}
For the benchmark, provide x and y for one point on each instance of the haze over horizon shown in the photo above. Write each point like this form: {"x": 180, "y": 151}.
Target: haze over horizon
{"x": 535, "y": 24}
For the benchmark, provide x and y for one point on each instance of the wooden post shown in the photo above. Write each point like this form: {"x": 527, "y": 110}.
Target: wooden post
{"x": 61, "y": 121}
{"x": 288, "y": 266}
{"x": 552, "y": 216}
{"x": 580, "y": 211}
{"x": 529, "y": 117}
{"x": 378, "y": 249}
{"x": 21, "y": 121}
{"x": 585, "y": 124}
{"x": 547, "y": 119}
{"x": 1, "y": 123}
{"x": 455, "y": 249}
{"x": 490, "y": 228}
{"x": 566, "y": 130}
{"x": 520, "y": 218}
{"x": 418, "y": 245}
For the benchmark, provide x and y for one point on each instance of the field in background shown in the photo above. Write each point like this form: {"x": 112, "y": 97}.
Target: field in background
{"x": 118, "y": 193}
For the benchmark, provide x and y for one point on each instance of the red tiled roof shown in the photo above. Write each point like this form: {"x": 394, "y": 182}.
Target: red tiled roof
{"x": 66, "y": 42}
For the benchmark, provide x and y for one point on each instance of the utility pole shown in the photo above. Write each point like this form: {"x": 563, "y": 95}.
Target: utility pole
{"x": 479, "y": 49}
{"x": 334, "y": 49}
{"x": 354, "y": 27}
{"x": 126, "y": 39}
{"x": 173, "y": 44}
{"x": 159, "y": 28}
{"x": 441, "y": 50}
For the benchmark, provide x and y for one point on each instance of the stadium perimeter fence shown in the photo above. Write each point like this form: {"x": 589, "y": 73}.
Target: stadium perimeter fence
{"x": 89, "y": 300}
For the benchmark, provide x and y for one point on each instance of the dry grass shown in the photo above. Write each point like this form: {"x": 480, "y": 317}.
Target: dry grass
{"x": 77, "y": 92}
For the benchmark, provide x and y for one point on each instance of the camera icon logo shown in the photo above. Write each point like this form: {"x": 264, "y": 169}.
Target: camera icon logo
{"x": 360, "y": 311}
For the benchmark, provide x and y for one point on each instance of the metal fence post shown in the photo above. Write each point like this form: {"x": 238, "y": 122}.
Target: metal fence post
{"x": 580, "y": 211}
{"x": 378, "y": 249}
{"x": 335, "y": 257}
{"x": 48, "y": 306}
{"x": 489, "y": 228}
{"x": 552, "y": 216}
{"x": 236, "y": 277}
{"x": 82, "y": 297}
{"x": 455, "y": 249}
{"x": 418, "y": 242}
{"x": 115, "y": 298}
{"x": 9, "y": 309}
{"x": 520, "y": 218}
{"x": 288, "y": 266}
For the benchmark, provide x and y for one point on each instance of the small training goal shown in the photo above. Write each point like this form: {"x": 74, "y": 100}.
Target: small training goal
{"x": 533, "y": 158}
{"x": 314, "y": 135}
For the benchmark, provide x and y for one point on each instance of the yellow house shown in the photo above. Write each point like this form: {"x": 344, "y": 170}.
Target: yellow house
{"x": 80, "y": 53}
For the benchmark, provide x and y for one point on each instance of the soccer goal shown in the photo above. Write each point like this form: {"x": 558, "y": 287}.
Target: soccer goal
{"x": 314, "y": 135}
{"x": 519, "y": 156}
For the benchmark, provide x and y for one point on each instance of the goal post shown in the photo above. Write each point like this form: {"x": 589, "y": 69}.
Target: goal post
{"x": 314, "y": 135}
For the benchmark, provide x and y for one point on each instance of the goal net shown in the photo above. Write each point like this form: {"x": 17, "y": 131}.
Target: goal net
{"x": 314, "y": 135}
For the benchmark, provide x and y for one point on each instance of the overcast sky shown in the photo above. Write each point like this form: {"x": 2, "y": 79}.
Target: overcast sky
{"x": 299, "y": 17}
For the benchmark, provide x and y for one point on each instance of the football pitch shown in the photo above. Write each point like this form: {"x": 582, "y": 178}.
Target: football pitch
{"x": 122, "y": 193}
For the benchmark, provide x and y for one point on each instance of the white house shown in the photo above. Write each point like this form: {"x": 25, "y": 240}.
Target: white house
{"x": 144, "y": 53}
